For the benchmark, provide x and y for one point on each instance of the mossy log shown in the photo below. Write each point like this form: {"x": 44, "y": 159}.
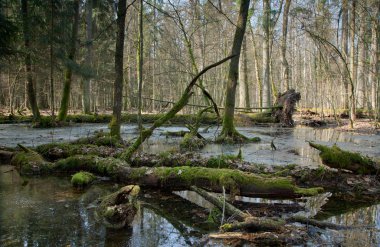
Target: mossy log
{"x": 118, "y": 209}
{"x": 335, "y": 157}
{"x": 56, "y": 151}
{"x": 171, "y": 178}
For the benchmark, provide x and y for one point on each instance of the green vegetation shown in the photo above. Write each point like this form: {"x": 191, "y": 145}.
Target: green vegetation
{"x": 192, "y": 142}
{"x": 30, "y": 163}
{"x": 337, "y": 158}
{"x": 82, "y": 179}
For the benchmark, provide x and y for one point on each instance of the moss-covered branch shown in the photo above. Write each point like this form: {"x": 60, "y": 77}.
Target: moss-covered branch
{"x": 335, "y": 157}
{"x": 174, "y": 110}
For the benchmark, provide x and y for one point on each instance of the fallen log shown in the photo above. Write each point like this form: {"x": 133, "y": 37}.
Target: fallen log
{"x": 171, "y": 178}
{"x": 335, "y": 157}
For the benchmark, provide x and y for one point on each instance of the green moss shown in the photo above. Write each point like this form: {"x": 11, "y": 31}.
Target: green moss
{"x": 261, "y": 117}
{"x": 95, "y": 164}
{"x": 54, "y": 151}
{"x": 231, "y": 179}
{"x": 82, "y": 179}
{"x": 101, "y": 138}
{"x": 192, "y": 142}
{"x": 226, "y": 227}
{"x": 215, "y": 216}
{"x": 309, "y": 191}
{"x": 340, "y": 159}
{"x": 31, "y": 163}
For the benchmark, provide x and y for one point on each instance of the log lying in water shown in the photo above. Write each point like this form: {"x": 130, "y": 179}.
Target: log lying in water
{"x": 171, "y": 178}
{"x": 335, "y": 157}
{"x": 118, "y": 209}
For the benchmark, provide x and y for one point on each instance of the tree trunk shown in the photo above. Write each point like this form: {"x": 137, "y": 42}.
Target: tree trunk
{"x": 266, "y": 58}
{"x": 257, "y": 69}
{"x": 233, "y": 73}
{"x": 244, "y": 100}
{"x": 28, "y": 63}
{"x": 86, "y": 103}
{"x": 140, "y": 65}
{"x": 361, "y": 79}
{"x": 373, "y": 77}
{"x": 119, "y": 55}
{"x": 344, "y": 44}
{"x": 353, "y": 66}
{"x": 68, "y": 71}
{"x": 285, "y": 65}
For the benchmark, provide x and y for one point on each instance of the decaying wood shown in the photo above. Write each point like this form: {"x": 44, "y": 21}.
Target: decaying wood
{"x": 287, "y": 101}
{"x": 230, "y": 210}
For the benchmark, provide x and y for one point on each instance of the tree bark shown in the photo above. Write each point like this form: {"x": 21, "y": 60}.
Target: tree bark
{"x": 233, "y": 73}
{"x": 344, "y": 48}
{"x": 353, "y": 66}
{"x": 285, "y": 65}
{"x": 244, "y": 100}
{"x": 266, "y": 54}
{"x": 119, "y": 63}
{"x": 86, "y": 99}
{"x": 68, "y": 71}
{"x": 373, "y": 77}
{"x": 31, "y": 93}
{"x": 361, "y": 79}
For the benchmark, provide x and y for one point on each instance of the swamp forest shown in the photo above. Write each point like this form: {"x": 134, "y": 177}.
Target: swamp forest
{"x": 189, "y": 123}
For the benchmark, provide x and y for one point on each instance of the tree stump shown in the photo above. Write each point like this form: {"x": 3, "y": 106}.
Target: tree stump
{"x": 286, "y": 106}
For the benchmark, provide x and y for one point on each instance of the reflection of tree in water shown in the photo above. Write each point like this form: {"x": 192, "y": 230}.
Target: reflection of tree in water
{"x": 367, "y": 226}
{"x": 153, "y": 230}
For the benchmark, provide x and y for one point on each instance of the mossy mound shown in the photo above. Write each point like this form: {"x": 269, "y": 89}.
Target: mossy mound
{"x": 192, "y": 142}
{"x": 335, "y": 157}
{"x": 118, "y": 209}
{"x": 101, "y": 138}
{"x": 82, "y": 179}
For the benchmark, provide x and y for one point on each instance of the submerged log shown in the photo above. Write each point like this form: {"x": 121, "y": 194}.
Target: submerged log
{"x": 335, "y": 157}
{"x": 287, "y": 106}
{"x": 118, "y": 209}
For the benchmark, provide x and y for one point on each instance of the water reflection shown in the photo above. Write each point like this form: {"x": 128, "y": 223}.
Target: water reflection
{"x": 290, "y": 142}
{"x": 48, "y": 211}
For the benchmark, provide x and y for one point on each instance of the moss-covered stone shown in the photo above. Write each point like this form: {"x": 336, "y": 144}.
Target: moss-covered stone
{"x": 118, "y": 209}
{"x": 337, "y": 158}
{"x": 82, "y": 179}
